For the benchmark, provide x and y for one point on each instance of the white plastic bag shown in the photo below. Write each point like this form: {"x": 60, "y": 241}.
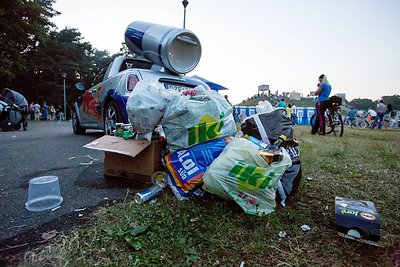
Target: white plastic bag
{"x": 264, "y": 106}
{"x": 241, "y": 174}
{"x": 190, "y": 120}
{"x": 146, "y": 104}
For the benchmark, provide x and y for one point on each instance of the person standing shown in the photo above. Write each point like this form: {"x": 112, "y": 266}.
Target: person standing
{"x": 37, "y": 111}
{"x": 227, "y": 100}
{"x": 52, "y": 112}
{"x": 289, "y": 111}
{"x": 352, "y": 114}
{"x": 323, "y": 92}
{"x": 380, "y": 112}
{"x": 294, "y": 114}
{"x": 45, "y": 111}
{"x": 281, "y": 104}
{"x": 60, "y": 113}
{"x": 32, "y": 111}
{"x": 389, "y": 115}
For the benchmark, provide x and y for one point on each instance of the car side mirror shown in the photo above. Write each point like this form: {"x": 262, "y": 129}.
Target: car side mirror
{"x": 80, "y": 86}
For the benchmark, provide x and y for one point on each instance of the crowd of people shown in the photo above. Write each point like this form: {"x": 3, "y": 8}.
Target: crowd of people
{"x": 382, "y": 116}
{"x": 291, "y": 109}
{"x": 45, "y": 112}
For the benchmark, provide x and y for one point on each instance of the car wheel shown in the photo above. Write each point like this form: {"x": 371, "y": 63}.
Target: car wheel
{"x": 112, "y": 115}
{"x": 76, "y": 126}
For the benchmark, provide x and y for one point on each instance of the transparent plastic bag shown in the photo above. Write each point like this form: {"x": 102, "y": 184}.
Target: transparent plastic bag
{"x": 241, "y": 174}
{"x": 190, "y": 120}
{"x": 146, "y": 104}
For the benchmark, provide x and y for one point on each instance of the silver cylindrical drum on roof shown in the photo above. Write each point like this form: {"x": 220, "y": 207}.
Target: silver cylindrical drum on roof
{"x": 178, "y": 50}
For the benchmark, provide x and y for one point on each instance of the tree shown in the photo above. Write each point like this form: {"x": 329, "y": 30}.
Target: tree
{"x": 394, "y": 100}
{"x": 124, "y": 51}
{"x": 63, "y": 51}
{"x": 363, "y": 103}
{"x": 24, "y": 24}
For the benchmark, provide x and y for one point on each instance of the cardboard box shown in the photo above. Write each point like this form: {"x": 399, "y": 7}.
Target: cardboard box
{"x": 132, "y": 159}
{"x": 357, "y": 218}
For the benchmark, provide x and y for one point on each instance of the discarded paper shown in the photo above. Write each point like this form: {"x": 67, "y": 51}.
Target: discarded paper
{"x": 49, "y": 235}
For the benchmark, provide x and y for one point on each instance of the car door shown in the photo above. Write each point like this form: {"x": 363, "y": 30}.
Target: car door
{"x": 92, "y": 99}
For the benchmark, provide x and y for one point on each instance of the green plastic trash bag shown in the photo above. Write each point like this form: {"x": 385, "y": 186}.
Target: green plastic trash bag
{"x": 241, "y": 174}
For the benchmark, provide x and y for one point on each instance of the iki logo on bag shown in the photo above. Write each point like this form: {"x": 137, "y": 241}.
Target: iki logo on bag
{"x": 206, "y": 129}
{"x": 251, "y": 177}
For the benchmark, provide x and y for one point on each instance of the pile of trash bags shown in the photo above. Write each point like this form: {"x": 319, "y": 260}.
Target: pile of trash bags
{"x": 206, "y": 152}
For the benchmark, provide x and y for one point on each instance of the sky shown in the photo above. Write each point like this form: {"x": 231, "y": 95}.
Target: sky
{"x": 286, "y": 44}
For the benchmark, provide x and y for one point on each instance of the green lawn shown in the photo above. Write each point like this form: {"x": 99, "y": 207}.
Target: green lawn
{"x": 363, "y": 164}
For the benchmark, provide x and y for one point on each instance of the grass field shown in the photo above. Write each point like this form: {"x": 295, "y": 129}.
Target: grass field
{"x": 363, "y": 164}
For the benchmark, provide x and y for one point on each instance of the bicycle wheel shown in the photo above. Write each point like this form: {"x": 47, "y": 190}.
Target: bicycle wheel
{"x": 312, "y": 120}
{"x": 335, "y": 124}
{"x": 362, "y": 124}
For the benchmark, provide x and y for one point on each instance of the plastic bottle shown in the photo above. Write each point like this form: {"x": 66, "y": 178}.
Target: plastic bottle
{"x": 273, "y": 152}
{"x": 118, "y": 129}
{"x": 277, "y": 143}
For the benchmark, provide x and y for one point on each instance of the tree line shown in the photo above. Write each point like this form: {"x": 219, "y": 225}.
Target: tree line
{"x": 34, "y": 53}
{"x": 365, "y": 103}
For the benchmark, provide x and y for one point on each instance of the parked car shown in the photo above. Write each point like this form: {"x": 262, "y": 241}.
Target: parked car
{"x": 103, "y": 103}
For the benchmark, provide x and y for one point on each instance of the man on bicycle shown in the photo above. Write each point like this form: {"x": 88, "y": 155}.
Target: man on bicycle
{"x": 323, "y": 92}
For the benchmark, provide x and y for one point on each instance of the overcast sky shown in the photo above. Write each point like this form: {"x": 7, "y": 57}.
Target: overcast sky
{"x": 284, "y": 43}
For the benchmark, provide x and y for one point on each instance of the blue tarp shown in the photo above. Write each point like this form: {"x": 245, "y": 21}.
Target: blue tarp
{"x": 213, "y": 86}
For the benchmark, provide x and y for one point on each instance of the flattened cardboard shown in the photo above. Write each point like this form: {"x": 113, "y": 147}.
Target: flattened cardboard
{"x": 118, "y": 145}
{"x": 359, "y": 215}
{"x": 131, "y": 159}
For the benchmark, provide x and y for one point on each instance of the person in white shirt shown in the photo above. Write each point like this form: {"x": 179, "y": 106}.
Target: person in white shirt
{"x": 294, "y": 114}
{"x": 36, "y": 108}
{"x": 371, "y": 117}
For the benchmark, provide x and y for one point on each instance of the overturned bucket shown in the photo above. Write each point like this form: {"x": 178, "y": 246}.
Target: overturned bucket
{"x": 44, "y": 193}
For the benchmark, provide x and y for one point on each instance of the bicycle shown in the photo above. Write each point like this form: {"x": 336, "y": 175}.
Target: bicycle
{"x": 334, "y": 120}
{"x": 360, "y": 122}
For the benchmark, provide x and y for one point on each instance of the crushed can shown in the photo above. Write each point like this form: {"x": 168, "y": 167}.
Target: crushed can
{"x": 148, "y": 193}
{"x": 357, "y": 219}
{"x": 159, "y": 180}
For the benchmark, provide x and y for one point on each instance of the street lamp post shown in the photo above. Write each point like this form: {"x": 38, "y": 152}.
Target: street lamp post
{"x": 64, "y": 75}
{"x": 184, "y": 3}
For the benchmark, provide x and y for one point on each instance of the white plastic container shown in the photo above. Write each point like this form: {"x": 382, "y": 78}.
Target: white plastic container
{"x": 44, "y": 193}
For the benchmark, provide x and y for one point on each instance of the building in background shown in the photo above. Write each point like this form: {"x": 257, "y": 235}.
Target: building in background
{"x": 264, "y": 88}
{"x": 294, "y": 95}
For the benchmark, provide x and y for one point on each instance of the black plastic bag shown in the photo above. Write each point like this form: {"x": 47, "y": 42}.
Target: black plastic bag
{"x": 275, "y": 123}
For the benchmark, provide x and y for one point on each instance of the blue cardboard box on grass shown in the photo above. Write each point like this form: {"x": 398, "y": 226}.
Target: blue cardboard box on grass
{"x": 357, "y": 219}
